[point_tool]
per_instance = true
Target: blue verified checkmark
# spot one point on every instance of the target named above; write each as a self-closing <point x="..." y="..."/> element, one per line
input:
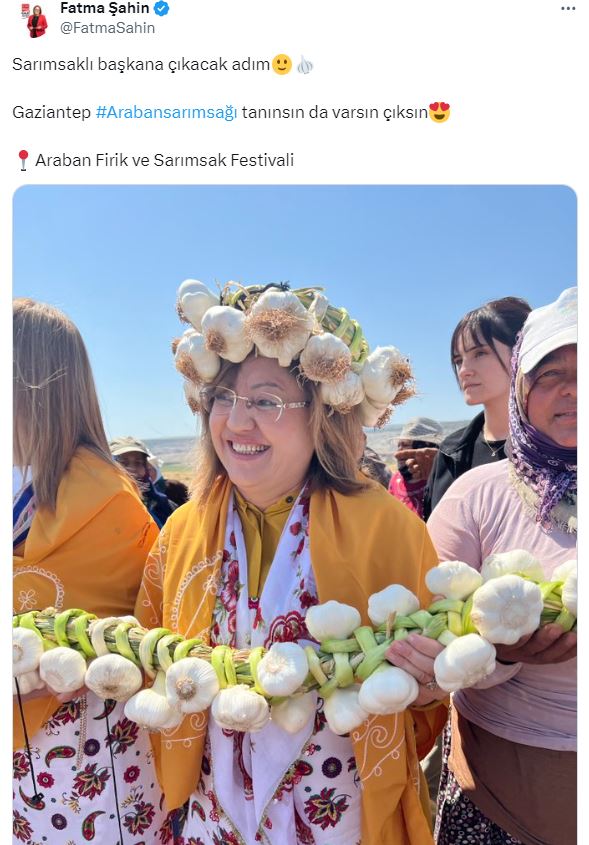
<point x="161" y="8"/>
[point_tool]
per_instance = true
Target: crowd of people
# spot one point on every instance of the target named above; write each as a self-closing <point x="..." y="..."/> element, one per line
<point x="290" y="508"/>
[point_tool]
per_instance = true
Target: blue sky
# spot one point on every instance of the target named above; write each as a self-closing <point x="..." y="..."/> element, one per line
<point x="406" y="262"/>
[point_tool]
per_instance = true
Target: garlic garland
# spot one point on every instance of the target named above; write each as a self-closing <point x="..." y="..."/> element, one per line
<point x="326" y="359"/>
<point x="27" y="648"/>
<point x="388" y="690"/>
<point x="113" y="676"/>
<point x="223" y="329"/>
<point x="293" y="714"/>
<point x="506" y="608"/>
<point x="62" y="669"/>
<point x="279" y="325"/>
<point x="191" y="685"/>
<point x="332" y="620"/>
<point x="453" y="579"/>
<point x="240" y="708"/>
<point x="463" y="663"/>
<point x="393" y="599"/>
<point x="345" y="394"/>
<point x="150" y="707"/>
<point x="343" y="710"/>
<point x="517" y="562"/>
<point x="283" y="669"/>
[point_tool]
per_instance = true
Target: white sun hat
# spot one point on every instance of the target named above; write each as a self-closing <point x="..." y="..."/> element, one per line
<point x="548" y="328"/>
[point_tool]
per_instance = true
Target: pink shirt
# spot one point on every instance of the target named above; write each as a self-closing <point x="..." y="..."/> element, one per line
<point x="480" y="514"/>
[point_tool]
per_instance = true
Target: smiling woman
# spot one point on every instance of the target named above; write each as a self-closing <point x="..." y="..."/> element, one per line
<point x="281" y="519"/>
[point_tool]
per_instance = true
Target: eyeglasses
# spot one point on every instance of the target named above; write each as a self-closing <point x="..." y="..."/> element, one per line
<point x="267" y="406"/>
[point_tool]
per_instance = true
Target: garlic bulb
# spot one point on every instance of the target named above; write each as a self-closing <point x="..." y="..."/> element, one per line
<point x="345" y="394"/>
<point x="373" y="415"/>
<point x="27" y="648"/>
<point x="113" y="676"/>
<point x="194" y="360"/>
<point x="465" y="662"/>
<point x="388" y="690"/>
<point x="453" y="579"/>
<point x="384" y="373"/>
<point x="194" y="300"/>
<point x="325" y="358"/>
<point x="62" y="669"/>
<point x="191" y="685"/>
<point x="27" y="682"/>
<point x="279" y="325"/>
<point x="517" y="561"/>
<point x="332" y="620"/>
<point x="393" y="599"/>
<point x="343" y="710"/>
<point x="569" y="593"/>
<point x="283" y="669"/>
<point x="150" y="707"/>
<point x="239" y="708"/>
<point x="506" y="608"/>
<point x="223" y="329"/>
<point x="192" y="396"/>
<point x="293" y="714"/>
<point x="318" y="308"/>
<point x="562" y="572"/>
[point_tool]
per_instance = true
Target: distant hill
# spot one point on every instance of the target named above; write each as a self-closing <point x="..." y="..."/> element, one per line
<point x="176" y="452"/>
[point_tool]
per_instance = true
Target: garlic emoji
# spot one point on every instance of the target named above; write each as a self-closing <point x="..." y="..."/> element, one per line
<point x="388" y="690"/>
<point x="113" y="676"/>
<point x="151" y="709"/>
<point x="194" y="361"/>
<point x="304" y="66"/>
<point x="223" y="329"/>
<point x="283" y="669"/>
<point x="384" y="373"/>
<point x="326" y="359"/>
<point x="62" y="669"/>
<point x="345" y="394"/>
<point x="332" y="620"/>
<point x="239" y="708"/>
<point x="27" y="682"/>
<point x="343" y="710"/>
<point x="194" y="300"/>
<point x="293" y="714"/>
<point x="279" y="325"/>
<point x="191" y="685"/>
<point x="393" y="599"/>
<point x="27" y="648"/>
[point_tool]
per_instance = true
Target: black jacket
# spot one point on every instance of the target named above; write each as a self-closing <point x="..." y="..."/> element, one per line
<point x="454" y="458"/>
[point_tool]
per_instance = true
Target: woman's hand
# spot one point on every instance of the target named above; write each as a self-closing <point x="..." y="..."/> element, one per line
<point x="549" y="644"/>
<point x="416" y="655"/>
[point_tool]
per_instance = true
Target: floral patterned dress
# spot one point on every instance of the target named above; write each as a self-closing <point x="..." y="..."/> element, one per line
<point x="306" y="790"/>
<point x="74" y="770"/>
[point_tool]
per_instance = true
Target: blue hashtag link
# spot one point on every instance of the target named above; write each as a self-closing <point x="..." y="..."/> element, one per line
<point x="101" y="111"/>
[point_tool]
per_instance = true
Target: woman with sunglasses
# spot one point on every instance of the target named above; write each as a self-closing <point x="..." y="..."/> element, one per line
<point x="281" y="519"/>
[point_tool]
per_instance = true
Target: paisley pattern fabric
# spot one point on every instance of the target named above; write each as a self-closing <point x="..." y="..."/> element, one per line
<point x="74" y="774"/>
<point x="307" y="789"/>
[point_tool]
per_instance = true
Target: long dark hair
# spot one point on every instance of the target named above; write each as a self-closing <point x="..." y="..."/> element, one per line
<point x="499" y="320"/>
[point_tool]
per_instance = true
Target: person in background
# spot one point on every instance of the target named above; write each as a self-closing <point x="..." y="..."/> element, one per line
<point x="37" y="23"/>
<point x="480" y="349"/>
<point x="133" y="455"/>
<point x="372" y="465"/>
<point x="509" y="773"/>
<point x="417" y="448"/>
<point x="81" y="536"/>
<point x="176" y="491"/>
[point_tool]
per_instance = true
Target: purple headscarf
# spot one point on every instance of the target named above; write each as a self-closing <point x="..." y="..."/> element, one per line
<point x="548" y="469"/>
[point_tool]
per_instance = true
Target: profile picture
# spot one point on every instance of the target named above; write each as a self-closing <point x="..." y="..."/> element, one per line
<point x="37" y="22"/>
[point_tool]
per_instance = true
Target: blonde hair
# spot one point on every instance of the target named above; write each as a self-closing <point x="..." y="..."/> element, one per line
<point x="55" y="407"/>
<point x="337" y="438"/>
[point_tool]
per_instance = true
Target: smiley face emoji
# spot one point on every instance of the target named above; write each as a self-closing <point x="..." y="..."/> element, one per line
<point x="439" y="112"/>
<point x="282" y="64"/>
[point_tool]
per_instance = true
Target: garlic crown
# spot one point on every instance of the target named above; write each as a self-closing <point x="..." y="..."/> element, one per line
<point x="113" y="676"/>
<point x="62" y="669"/>
<point x="293" y="714"/>
<point x="465" y="662"/>
<point x="326" y="358"/>
<point x="283" y="669"/>
<point x="384" y="373"/>
<point x="27" y="648"/>
<point x="27" y="682"/>
<point x="191" y="685"/>
<point x="332" y="620"/>
<point x="239" y="708"/>
<point x="453" y="579"/>
<point x="506" y="608"/>
<point x="343" y="710"/>
<point x="393" y="599"/>
<point x="516" y="561"/>
<point x="345" y="394"/>
<point x="223" y="329"/>
<point x="388" y="690"/>
<point x="150" y="707"/>
<point x="279" y="325"/>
